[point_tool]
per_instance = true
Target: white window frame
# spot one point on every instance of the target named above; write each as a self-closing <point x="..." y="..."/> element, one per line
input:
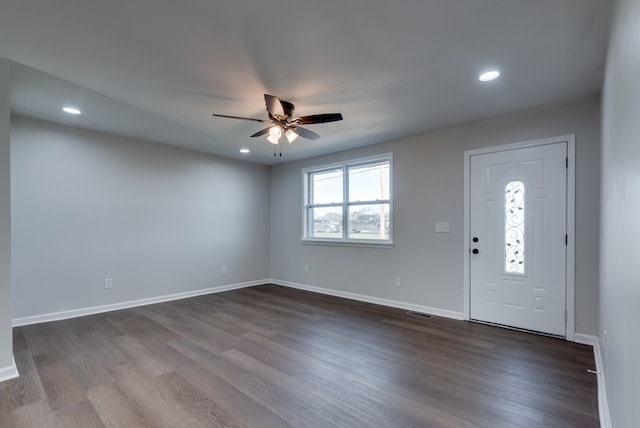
<point x="345" y="204"/>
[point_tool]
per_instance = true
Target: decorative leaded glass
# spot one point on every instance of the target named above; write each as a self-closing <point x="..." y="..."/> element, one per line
<point x="514" y="227"/>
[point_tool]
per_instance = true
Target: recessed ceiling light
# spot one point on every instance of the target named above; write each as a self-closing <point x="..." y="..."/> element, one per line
<point x="245" y="151"/>
<point x="489" y="75"/>
<point x="71" y="110"/>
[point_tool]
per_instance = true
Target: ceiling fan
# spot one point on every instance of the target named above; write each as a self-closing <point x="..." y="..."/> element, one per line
<point x="281" y="121"/>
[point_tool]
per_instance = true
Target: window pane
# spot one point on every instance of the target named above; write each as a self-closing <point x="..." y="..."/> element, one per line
<point x="369" y="182"/>
<point x="326" y="187"/>
<point x="325" y="222"/>
<point x="365" y="221"/>
<point x="514" y="227"/>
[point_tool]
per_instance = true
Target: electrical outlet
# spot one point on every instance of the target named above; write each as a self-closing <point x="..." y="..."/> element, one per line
<point x="223" y="269"/>
<point x="306" y="268"/>
<point x="398" y="281"/>
<point x="108" y="283"/>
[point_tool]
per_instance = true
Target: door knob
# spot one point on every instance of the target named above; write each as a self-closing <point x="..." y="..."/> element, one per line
<point x="475" y="251"/>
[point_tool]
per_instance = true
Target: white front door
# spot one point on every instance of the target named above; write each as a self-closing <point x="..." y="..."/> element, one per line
<point x="518" y="229"/>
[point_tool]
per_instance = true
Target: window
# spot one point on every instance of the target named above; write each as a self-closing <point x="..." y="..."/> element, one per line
<point x="349" y="202"/>
<point x="514" y="227"/>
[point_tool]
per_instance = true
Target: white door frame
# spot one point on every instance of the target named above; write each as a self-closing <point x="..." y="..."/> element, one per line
<point x="570" y="139"/>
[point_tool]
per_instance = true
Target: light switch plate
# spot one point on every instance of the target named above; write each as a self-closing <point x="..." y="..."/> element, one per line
<point x="442" y="227"/>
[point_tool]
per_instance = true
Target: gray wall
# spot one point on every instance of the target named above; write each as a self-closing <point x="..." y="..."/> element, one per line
<point x="428" y="187"/>
<point x="6" y="342"/>
<point x="156" y="219"/>
<point x="620" y="269"/>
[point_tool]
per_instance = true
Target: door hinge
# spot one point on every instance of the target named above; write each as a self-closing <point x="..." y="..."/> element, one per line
<point x="567" y="162"/>
<point x="566" y="239"/>
<point x="566" y="316"/>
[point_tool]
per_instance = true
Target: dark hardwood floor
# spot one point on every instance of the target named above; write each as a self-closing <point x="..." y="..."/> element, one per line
<point x="269" y="356"/>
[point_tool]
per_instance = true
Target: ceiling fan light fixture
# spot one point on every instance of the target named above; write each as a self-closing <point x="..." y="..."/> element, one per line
<point x="275" y="131"/>
<point x="291" y="135"/>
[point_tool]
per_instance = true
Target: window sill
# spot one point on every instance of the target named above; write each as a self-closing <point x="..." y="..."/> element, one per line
<point x="349" y="243"/>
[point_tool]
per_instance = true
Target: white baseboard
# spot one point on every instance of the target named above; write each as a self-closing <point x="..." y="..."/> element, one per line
<point x="603" y="404"/>
<point x="74" y="313"/>
<point x="369" y="299"/>
<point x="9" y="372"/>
<point x="586" y="339"/>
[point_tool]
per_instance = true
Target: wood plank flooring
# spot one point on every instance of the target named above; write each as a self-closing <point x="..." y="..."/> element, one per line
<point x="269" y="356"/>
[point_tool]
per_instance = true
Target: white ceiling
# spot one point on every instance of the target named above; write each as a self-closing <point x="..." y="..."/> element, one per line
<point x="157" y="69"/>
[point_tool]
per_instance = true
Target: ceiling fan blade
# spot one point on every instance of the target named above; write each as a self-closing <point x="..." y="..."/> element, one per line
<point x="242" y="118"/>
<point x="288" y="108"/>
<point x="319" y="118"/>
<point x="262" y="132"/>
<point x="305" y="133"/>
<point x="274" y="107"/>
